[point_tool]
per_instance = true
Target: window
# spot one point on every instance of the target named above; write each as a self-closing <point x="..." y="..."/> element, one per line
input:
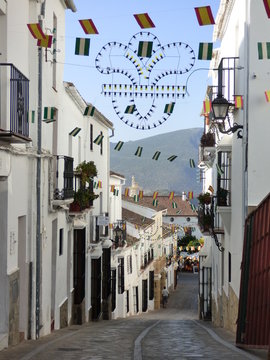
<point x="113" y="285"/>
<point x="135" y="299"/>
<point x="61" y="235"/>
<point x="151" y="285"/>
<point x="229" y="267"/>
<point x="121" y="278"/>
<point x="127" y="301"/>
<point x="91" y="137"/>
<point x="129" y="264"/>
<point x="224" y="178"/>
<point x="101" y="144"/>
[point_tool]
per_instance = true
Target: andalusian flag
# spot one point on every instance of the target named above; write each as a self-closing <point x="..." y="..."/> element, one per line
<point x="171" y="196"/>
<point x="205" y="51"/>
<point x="136" y="198"/>
<point x="144" y="21"/>
<point x="130" y="109"/>
<point x="174" y="205"/>
<point x="36" y="31"/>
<point x="47" y="42"/>
<point x="116" y="192"/>
<point x="99" y="139"/>
<point x="140" y="194"/>
<point x="75" y="131"/>
<point x="264" y="50"/>
<point x="112" y="188"/>
<point x="89" y="111"/>
<point x="155" y="195"/>
<point x="171" y="158"/>
<point x="193" y="207"/>
<point x="267" y="7"/>
<point x="267" y="95"/>
<point x="139" y="151"/>
<point x="156" y="155"/>
<point x="204" y="15"/>
<point x="126" y="191"/>
<point x="191" y="163"/>
<point x="190" y="195"/>
<point x="211" y="189"/>
<point x="207" y="106"/>
<point x="82" y="46"/>
<point x="145" y="49"/>
<point x="219" y="170"/>
<point x="49" y="114"/>
<point x="169" y="108"/>
<point x="238" y="102"/>
<point x="155" y="202"/>
<point x="88" y="26"/>
<point x="119" y="145"/>
<point x="178" y="212"/>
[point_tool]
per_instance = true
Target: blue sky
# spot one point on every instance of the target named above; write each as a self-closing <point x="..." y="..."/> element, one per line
<point x="175" y="21"/>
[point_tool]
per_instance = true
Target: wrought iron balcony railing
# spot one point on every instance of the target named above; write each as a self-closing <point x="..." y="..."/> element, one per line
<point x="14" y="102"/>
<point x="63" y="178"/>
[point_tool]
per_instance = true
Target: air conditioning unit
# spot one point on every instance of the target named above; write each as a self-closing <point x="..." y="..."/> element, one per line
<point x="4" y="164"/>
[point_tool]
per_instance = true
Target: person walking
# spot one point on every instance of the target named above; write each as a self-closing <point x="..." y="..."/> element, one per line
<point x="165" y="295"/>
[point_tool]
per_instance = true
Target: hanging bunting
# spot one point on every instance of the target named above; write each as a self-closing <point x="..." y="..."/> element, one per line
<point x="211" y="189"/>
<point x="172" y="158"/>
<point x="140" y="194"/>
<point x="75" y="131"/>
<point x="174" y="205"/>
<point x="130" y="109"/>
<point x="136" y="198"/>
<point x="138" y="151"/>
<point x="207" y="106"/>
<point x="100" y="184"/>
<point x="205" y="51"/>
<point x="144" y="21"/>
<point x="112" y="188"/>
<point x="82" y="46"/>
<point x="145" y="49"/>
<point x="190" y="195"/>
<point x="116" y="192"/>
<point x="155" y="195"/>
<point x="204" y="15"/>
<point x="155" y="202"/>
<point x="47" y="42"/>
<point x="89" y="111"/>
<point x="193" y="207"/>
<point x="178" y="212"/>
<point x="238" y="102"/>
<point x="191" y="163"/>
<point x="169" y="108"/>
<point x="267" y="7"/>
<point x="36" y="31"/>
<point x="49" y="114"/>
<point x="263" y="50"/>
<point x="156" y="155"/>
<point x="219" y="170"/>
<point x="119" y="145"/>
<point x="126" y="192"/>
<point x="99" y="139"/>
<point x="88" y="26"/>
<point x="267" y="95"/>
<point x="171" y="195"/>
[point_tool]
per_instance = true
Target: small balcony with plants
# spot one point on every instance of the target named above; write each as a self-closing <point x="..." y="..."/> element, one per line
<point x="84" y="196"/>
<point x="14" y="105"/>
<point x="207" y="150"/>
<point x="205" y="220"/>
<point x="63" y="180"/>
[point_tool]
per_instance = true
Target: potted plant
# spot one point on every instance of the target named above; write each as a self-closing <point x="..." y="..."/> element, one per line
<point x="208" y="140"/>
<point x="222" y="197"/>
<point x="204" y="198"/>
<point x="86" y="170"/>
<point x="207" y="221"/>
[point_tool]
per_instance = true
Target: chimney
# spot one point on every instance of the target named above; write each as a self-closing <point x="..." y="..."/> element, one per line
<point x="184" y="196"/>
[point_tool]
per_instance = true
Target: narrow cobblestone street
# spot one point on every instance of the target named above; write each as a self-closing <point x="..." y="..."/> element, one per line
<point x="170" y="333"/>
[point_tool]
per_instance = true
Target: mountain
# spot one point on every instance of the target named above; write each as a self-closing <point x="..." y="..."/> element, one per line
<point x="161" y="175"/>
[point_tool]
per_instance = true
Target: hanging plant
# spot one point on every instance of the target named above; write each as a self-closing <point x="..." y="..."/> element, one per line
<point x="87" y="171"/>
<point x="208" y="140"/>
<point x="204" y="199"/>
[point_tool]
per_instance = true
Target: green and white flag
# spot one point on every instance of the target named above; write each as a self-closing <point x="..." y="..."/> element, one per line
<point x="99" y="139"/>
<point x="138" y="151"/>
<point x="174" y="205"/>
<point x="89" y="111"/>
<point x="136" y="198"/>
<point x="119" y="145"/>
<point x="95" y="186"/>
<point x="192" y="163"/>
<point x="145" y="49"/>
<point x="130" y="109"/>
<point x="75" y="131"/>
<point x="193" y="207"/>
<point x="205" y="51"/>
<point x="264" y="50"/>
<point x="155" y="202"/>
<point x="156" y="155"/>
<point x="49" y="113"/>
<point x="169" y="108"/>
<point x="116" y="192"/>
<point x="31" y="116"/>
<point x="219" y="170"/>
<point x="178" y="212"/>
<point x="171" y="158"/>
<point x="82" y="46"/>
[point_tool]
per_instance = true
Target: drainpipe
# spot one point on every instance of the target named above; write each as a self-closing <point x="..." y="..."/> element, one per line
<point x="38" y="177"/>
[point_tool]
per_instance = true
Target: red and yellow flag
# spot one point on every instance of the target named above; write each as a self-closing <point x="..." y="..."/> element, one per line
<point x="36" y="31"/>
<point x="211" y="189"/>
<point x="155" y="195"/>
<point x="171" y="196"/>
<point x="100" y="184"/>
<point x="112" y="188"/>
<point x="127" y="192"/>
<point x="267" y="7"/>
<point x="47" y="43"/>
<point x="190" y="195"/>
<point x="140" y="194"/>
<point x="144" y="21"/>
<point x="267" y="95"/>
<point x="207" y="106"/>
<point x="88" y="26"/>
<point x="204" y="15"/>
<point x="238" y="102"/>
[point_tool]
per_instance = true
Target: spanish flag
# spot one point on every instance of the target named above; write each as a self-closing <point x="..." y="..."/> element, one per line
<point x="127" y="192"/>
<point x="47" y="43"/>
<point x="36" y="31"/>
<point x="267" y="95"/>
<point x="140" y="194"/>
<point x="155" y="195"/>
<point x="88" y="26"/>
<point x="171" y="196"/>
<point x="144" y="20"/>
<point x="267" y="7"/>
<point x="204" y="15"/>
<point x="207" y="106"/>
<point x="112" y="188"/>
<point x="238" y="102"/>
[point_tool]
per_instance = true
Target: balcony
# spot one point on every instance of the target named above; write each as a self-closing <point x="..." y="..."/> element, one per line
<point x="14" y="105"/>
<point x="147" y="258"/>
<point x="119" y="234"/>
<point x="63" y="182"/>
<point x="205" y="218"/>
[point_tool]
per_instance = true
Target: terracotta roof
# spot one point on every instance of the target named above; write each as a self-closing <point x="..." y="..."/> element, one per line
<point x="117" y="174"/>
<point x="183" y="207"/>
<point x="136" y="219"/>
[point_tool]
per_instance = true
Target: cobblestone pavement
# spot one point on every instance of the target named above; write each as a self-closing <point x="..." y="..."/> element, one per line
<point x="171" y="333"/>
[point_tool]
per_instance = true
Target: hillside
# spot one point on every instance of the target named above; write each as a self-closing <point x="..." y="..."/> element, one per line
<point x="161" y="175"/>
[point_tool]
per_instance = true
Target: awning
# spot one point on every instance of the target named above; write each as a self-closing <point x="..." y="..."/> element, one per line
<point x="225" y="143"/>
